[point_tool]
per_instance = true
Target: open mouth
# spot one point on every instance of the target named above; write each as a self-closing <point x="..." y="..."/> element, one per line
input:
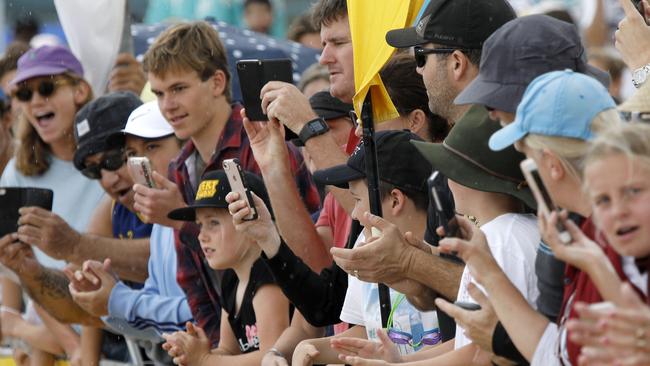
<point x="44" y="118"/>
<point x="208" y="251"/>
<point x="122" y="193"/>
<point x="177" y="119"/>
<point x="626" y="230"/>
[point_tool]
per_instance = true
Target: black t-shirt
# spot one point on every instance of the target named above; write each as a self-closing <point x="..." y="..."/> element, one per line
<point x="244" y="323"/>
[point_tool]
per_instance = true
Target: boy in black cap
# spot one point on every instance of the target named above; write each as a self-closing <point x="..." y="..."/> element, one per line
<point x="254" y="306"/>
<point x="403" y="191"/>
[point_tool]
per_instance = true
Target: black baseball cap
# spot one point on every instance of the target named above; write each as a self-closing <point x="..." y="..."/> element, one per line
<point x="398" y="164"/>
<point x="328" y="107"/>
<point x="212" y="193"/>
<point x="454" y="23"/>
<point x="99" y="119"/>
<point x="520" y="51"/>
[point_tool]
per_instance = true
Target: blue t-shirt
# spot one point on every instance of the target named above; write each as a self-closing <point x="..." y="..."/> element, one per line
<point x="127" y="224"/>
<point x="75" y="196"/>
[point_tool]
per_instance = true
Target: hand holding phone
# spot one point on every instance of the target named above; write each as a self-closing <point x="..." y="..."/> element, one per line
<point x="140" y="171"/>
<point x="544" y="202"/>
<point x="237" y="182"/>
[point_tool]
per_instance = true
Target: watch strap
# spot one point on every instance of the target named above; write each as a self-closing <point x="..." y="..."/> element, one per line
<point x="315" y="127"/>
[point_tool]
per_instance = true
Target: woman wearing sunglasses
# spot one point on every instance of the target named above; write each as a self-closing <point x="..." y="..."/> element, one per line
<point x="50" y="89"/>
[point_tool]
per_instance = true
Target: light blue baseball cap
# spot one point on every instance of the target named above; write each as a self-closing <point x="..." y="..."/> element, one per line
<point x="558" y="103"/>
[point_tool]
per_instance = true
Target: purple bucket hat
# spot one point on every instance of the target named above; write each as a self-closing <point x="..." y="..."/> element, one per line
<point x="47" y="60"/>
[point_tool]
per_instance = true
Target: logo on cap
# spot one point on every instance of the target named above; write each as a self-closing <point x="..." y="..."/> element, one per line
<point x="422" y="24"/>
<point x="83" y="128"/>
<point x="207" y="189"/>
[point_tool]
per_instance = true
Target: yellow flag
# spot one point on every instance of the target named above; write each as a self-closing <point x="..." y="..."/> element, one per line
<point x="370" y="20"/>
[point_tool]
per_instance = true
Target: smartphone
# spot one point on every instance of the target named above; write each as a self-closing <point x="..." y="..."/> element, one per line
<point x="543" y="198"/>
<point x="470" y="306"/>
<point x="449" y="224"/>
<point x="237" y="182"/>
<point x="253" y="75"/>
<point x="140" y="170"/>
<point x="13" y="198"/>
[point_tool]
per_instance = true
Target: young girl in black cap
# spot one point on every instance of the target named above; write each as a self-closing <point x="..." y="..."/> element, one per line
<point x="254" y="311"/>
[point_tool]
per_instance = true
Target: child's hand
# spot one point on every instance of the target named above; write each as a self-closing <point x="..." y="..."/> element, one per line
<point x="304" y="354"/>
<point x="187" y="348"/>
<point x="262" y="230"/>
<point x="385" y="350"/>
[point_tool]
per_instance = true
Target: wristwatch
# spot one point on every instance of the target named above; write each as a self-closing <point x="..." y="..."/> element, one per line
<point x="640" y="75"/>
<point x="315" y="127"/>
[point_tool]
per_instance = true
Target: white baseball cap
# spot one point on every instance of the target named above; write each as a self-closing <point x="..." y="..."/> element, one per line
<point x="146" y="122"/>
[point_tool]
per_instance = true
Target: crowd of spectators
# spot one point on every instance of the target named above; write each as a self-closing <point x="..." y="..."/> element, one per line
<point x="512" y="226"/>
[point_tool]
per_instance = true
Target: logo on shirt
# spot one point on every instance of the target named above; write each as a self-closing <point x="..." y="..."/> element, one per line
<point x="253" y="340"/>
<point x="207" y="189"/>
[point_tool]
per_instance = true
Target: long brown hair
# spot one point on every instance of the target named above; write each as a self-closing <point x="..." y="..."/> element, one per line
<point x="33" y="155"/>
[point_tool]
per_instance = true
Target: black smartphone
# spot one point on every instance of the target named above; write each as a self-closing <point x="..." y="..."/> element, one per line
<point x="253" y="75"/>
<point x="449" y="224"/>
<point x="470" y="306"/>
<point x="238" y="184"/>
<point x="544" y="202"/>
<point x="448" y="221"/>
<point x="13" y="198"/>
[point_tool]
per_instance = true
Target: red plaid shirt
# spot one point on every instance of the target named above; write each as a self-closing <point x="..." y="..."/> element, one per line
<point x="193" y="274"/>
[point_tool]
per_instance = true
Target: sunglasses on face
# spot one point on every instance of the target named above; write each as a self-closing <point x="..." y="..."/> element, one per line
<point x="421" y="53"/>
<point x="635" y="116"/>
<point x="111" y="161"/>
<point x="45" y="88"/>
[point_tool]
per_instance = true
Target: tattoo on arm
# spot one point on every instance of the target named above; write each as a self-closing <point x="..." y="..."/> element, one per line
<point x="53" y="284"/>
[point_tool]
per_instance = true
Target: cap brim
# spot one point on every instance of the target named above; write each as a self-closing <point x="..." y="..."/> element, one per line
<point x="404" y="38"/>
<point x="43" y="70"/>
<point x="598" y="74"/>
<point x="461" y="171"/>
<point x="503" y="97"/>
<point x="98" y="144"/>
<point x="506" y="136"/>
<point x="189" y="213"/>
<point x="338" y="176"/>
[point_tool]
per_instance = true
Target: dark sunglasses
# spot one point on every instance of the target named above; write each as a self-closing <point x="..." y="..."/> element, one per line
<point x="112" y="160"/>
<point x="421" y="53"/>
<point x="45" y="88"/>
<point x="635" y="116"/>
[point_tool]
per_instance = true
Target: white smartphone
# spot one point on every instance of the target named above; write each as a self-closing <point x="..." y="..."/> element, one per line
<point x="140" y="170"/>
<point x="237" y="182"/>
<point x="543" y="198"/>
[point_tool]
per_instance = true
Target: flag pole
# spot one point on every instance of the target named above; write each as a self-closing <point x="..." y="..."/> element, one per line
<point x="372" y="174"/>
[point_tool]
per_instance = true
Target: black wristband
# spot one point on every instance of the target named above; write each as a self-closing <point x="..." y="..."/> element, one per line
<point x="315" y="127"/>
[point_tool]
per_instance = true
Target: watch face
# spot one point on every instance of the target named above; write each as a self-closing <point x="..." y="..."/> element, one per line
<point x="640" y="75"/>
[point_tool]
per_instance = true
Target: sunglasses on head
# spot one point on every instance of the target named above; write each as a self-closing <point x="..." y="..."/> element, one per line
<point x="45" y="88"/>
<point x="429" y="337"/>
<point x="111" y="160"/>
<point x="635" y="116"/>
<point x="421" y="53"/>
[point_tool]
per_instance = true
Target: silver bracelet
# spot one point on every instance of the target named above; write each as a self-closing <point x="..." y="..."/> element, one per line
<point x="276" y="352"/>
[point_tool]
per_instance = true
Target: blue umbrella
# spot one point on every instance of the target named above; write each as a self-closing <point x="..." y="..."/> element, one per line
<point x="240" y="44"/>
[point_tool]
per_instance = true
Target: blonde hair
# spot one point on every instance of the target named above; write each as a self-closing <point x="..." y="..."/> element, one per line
<point x="572" y="151"/>
<point x="32" y="153"/>
<point x="633" y="140"/>
<point x="192" y="46"/>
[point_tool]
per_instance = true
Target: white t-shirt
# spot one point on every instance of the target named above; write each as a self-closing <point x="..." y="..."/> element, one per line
<point x="513" y="240"/>
<point x="361" y="307"/>
<point x="75" y="196"/>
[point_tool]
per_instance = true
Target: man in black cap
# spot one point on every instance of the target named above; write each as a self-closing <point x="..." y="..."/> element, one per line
<point x="452" y="33"/>
<point x="116" y="232"/>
